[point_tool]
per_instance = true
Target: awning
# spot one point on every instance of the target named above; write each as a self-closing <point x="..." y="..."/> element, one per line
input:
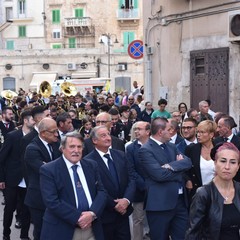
<point x="38" y="78"/>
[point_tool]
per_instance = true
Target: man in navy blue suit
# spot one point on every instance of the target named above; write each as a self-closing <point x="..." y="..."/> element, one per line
<point x="163" y="169"/>
<point x="142" y="133"/>
<point x="66" y="217"/>
<point x="43" y="148"/>
<point x="118" y="180"/>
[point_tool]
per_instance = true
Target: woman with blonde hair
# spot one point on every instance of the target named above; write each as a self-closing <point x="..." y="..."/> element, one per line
<point x="203" y="170"/>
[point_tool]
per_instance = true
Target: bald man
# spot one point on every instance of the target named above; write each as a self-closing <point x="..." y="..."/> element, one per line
<point x="43" y="148"/>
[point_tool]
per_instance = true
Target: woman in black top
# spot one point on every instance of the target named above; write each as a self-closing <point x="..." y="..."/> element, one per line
<point x="215" y="210"/>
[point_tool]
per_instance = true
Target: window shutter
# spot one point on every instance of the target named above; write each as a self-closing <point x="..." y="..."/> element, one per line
<point x="78" y="12"/>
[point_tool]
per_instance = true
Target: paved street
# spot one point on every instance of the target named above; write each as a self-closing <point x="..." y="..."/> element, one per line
<point x="15" y="235"/>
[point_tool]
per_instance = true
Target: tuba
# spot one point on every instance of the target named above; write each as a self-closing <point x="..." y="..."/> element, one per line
<point x="8" y="95"/>
<point x="45" y="89"/>
<point x="68" y="89"/>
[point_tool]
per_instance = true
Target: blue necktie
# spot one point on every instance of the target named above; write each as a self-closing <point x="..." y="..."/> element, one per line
<point x="112" y="170"/>
<point x="82" y="199"/>
<point x="51" y="150"/>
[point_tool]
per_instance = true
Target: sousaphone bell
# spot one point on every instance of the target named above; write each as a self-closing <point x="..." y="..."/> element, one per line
<point x="45" y="89"/>
<point x="8" y="94"/>
<point x="68" y="89"/>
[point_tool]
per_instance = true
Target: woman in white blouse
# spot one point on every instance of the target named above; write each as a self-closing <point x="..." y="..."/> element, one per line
<point x="203" y="170"/>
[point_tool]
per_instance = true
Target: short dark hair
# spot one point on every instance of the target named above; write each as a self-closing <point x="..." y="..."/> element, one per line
<point x="158" y="123"/>
<point x="123" y="108"/>
<point x="162" y="101"/>
<point x="193" y="120"/>
<point x="25" y="115"/>
<point x="4" y="110"/>
<point x="62" y="118"/>
<point x="113" y="111"/>
<point x="37" y="110"/>
<point x="229" y="122"/>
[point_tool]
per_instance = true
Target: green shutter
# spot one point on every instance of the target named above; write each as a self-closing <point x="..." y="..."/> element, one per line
<point x="22" y="31"/>
<point x="121" y="2"/>
<point x="56" y="16"/>
<point x="78" y="12"/>
<point x="128" y="37"/>
<point x="55" y="46"/>
<point x="135" y="5"/>
<point x="72" y="42"/>
<point x="10" y="45"/>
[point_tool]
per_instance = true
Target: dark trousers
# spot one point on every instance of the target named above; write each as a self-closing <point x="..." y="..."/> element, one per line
<point x="37" y="219"/>
<point x="117" y="230"/>
<point x="15" y="196"/>
<point x="172" y="223"/>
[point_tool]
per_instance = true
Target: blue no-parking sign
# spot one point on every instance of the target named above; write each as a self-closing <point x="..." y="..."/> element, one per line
<point x="135" y="49"/>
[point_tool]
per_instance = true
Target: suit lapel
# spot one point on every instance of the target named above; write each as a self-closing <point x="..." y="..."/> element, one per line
<point x="44" y="150"/>
<point x="159" y="153"/>
<point x="116" y="163"/>
<point x="63" y="171"/>
<point x="103" y="166"/>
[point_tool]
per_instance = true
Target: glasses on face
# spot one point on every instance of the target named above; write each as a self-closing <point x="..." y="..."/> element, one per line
<point x="101" y="122"/>
<point x="53" y="131"/>
<point x="187" y="128"/>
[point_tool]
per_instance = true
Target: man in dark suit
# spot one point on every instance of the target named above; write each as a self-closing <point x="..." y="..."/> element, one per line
<point x="6" y="125"/>
<point x="65" y="217"/>
<point x="42" y="149"/>
<point x="188" y="131"/>
<point x="119" y="181"/>
<point x="12" y="178"/>
<point x="174" y="133"/>
<point x="163" y="169"/>
<point x="105" y="120"/>
<point x="142" y="132"/>
<point x="224" y="129"/>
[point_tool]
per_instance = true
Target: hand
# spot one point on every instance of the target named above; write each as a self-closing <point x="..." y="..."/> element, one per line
<point x="121" y="205"/>
<point x="189" y="185"/>
<point x="2" y="185"/>
<point x="85" y="220"/>
<point x="167" y="166"/>
<point x="179" y="157"/>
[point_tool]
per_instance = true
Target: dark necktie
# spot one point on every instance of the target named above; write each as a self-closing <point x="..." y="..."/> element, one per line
<point x="112" y="169"/>
<point x="225" y="139"/>
<point x="82" y="199"/>
<point x="163" y="146"/>
<point x="51" y="150"/>
<point x="7" y="125"/>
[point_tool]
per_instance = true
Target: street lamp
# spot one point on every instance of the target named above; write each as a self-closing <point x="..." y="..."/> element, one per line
<point x="108" y="36"/>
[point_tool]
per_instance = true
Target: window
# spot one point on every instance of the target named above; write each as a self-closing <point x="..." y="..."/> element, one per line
<point x="56" y="16"/>
<point x="56" y="33"/>
<point x="9" y="83"/>
<point x="21" y="5"/>
<point x="58" y="45"/>
<point x="9" y="13"/>
<point x="10" y="45"/>
<point x="128" y="4"/>
<point x="78" y="12"/>
<point x="22" y="31"/>
<point x="72" y="42"/>
<point x="128" y="37"/>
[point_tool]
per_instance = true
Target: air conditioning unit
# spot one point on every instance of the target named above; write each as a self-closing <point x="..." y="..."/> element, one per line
<point x="234" y="26"/>
<point x="121" y="67"/>
<point x="71" y="66"/>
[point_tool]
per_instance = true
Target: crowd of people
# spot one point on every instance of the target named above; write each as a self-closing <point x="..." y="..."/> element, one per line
<point x="109" y="166"/>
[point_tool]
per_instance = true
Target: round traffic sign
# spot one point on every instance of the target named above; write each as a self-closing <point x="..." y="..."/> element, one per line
<point x="135" y="49"/>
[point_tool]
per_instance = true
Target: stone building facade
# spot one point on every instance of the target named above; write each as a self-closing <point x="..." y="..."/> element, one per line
<point x="49" y="39"/>
<point x="192" y="52"/>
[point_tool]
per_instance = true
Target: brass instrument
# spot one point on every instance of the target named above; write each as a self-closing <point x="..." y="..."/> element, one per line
<point x="8" y="95"/>
<point x="68" y="89"/>
<point x="45" y="89"/>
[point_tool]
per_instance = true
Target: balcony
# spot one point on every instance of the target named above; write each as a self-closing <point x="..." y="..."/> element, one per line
<point x="79" y="27"/>
<point x="128" y="14"/>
